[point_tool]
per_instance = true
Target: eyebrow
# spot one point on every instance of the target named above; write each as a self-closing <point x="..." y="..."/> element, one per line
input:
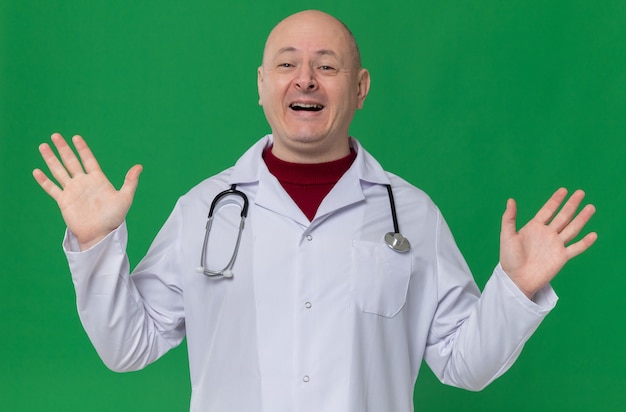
<point x="321" y="52"/>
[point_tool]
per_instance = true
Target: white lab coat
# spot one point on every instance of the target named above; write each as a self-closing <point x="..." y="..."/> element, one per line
<point x="319" y="316"/>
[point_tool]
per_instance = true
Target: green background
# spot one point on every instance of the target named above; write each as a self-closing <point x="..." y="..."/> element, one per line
<point x="474" y="102"/>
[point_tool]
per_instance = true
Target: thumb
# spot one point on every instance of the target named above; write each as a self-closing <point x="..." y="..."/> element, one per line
<point x="131" y="181"/>
<point x="509" y="216"/>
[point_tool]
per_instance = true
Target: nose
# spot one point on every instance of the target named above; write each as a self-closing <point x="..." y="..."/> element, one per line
<point x="305" y="79"/>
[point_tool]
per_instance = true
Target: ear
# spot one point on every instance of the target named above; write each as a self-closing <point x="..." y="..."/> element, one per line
<point x="363" y="87"/>
<point x="259" y="84"/>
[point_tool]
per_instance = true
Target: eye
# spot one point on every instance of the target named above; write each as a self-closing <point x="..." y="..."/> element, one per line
<point x="326" y="68"/>
<point x="285" y="65"/>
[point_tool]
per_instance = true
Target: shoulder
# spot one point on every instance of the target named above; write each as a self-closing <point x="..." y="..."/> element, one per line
<point x="209" y="187"/>
<point x="406" y="193"/>
<point x="244" y="172"/>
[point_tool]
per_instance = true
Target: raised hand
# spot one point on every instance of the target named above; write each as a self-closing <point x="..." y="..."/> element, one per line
<point x="91" y="207"/>
<point x="533" y="256"/>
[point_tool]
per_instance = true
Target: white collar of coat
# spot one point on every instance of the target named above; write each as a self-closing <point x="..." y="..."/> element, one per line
<point x="249" y="166"/>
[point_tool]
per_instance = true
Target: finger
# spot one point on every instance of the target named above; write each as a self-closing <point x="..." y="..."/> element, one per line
<point x="70" y="161"/>
<point x="567" y="212"/>
<point x="57" y="170"/>
<point x="583" y="244"/>
<point x="509" y="216"/>
<point x="86" y="156"/>
<point x="544" y="215"/>
<point x="46" y="184"/>
<point x="577" y="224"/>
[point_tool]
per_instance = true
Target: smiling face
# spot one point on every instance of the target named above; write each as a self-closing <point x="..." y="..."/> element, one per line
<point x="310" y="85"/>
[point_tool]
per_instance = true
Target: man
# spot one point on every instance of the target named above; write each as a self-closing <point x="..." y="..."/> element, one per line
<point x="310" y="310"/>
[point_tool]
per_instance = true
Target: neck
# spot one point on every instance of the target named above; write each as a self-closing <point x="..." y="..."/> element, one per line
<point x="308" y="154"/>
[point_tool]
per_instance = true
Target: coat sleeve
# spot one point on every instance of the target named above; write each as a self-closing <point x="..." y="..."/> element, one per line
<point x="475" y="338"/>
<point x="129" y="325"/>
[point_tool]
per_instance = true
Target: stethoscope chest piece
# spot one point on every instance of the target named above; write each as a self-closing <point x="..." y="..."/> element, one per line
<point x="397" y="242"/>
<point x="394" y="239"/>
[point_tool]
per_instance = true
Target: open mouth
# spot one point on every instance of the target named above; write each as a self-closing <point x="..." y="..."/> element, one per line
<point x="308" y="107"/>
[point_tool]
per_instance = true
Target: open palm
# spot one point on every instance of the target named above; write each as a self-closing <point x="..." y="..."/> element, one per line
<point x="533" y="256"/>
<point x="90" y="205"/>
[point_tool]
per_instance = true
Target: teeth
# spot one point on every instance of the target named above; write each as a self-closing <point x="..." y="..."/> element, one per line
<point x="306" y="106"/>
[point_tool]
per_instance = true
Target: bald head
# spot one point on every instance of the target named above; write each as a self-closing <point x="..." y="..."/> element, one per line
<point x="315" y="20"/>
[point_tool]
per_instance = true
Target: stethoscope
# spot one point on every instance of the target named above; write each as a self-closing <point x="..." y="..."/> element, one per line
<point x="394" y="239"/>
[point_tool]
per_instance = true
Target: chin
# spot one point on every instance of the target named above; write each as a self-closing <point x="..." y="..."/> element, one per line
<point x="306" y="136"/>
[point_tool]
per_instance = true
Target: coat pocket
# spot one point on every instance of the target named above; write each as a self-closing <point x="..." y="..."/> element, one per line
<point x="380" y="278"/>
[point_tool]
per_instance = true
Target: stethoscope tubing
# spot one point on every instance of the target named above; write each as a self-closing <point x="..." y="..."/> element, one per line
<point x="394" y="239"/>
<point x="227" y="270"/>
<point x="392" y="205"/>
